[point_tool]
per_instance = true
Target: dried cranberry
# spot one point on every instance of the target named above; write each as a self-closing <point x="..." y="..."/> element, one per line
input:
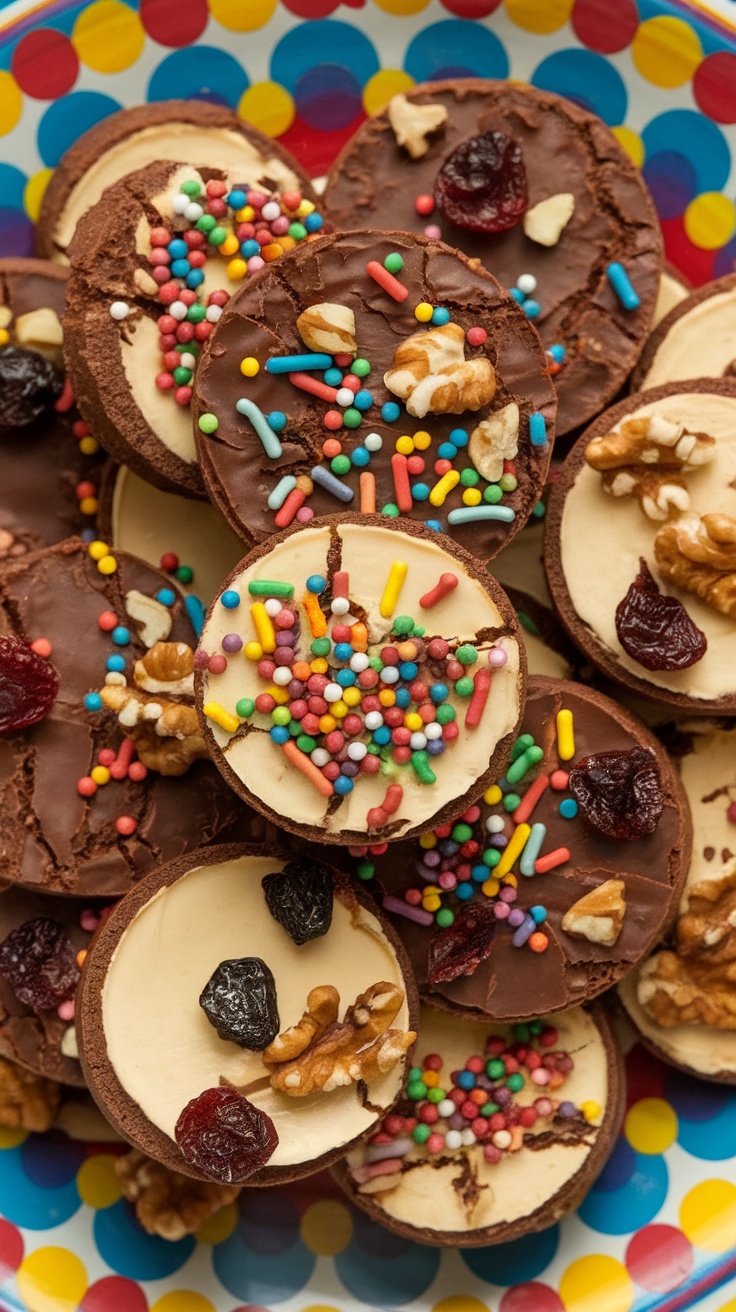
<point x="655" y="629"/>
<point x="460" y="949"/>
<point x="29" y="385"/>
<point x="619" y="793"/>
<point x="29" y="685"/>
<point x="39" y="962"/>
<point x="225" y="1136"/>
<point x="300" y="898"/>
<point x="240" y="1001"/>
<point x="482" y="184"/>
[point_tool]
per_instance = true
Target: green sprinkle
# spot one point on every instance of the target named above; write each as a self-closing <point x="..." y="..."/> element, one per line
<point x="522" y="742"/>
<point x="341" y="464"/>
<point x="365" y="870"/>
<point x="375" y="663"/>
<point x="394" y="262"/>
<point x="436" y="1094"/>
<point x="217" y="236"/>
<point x="461" y="832"/>
<point x="421" y="1133"/>
<point x="306" y="743"/>
<point x="281" y="715"/>
<point x="270" y="588"/>
<point x="423" y="770"/>
<point x="445" y="713"/>
<point x="184" y="573"/>
<point x="535" y="1027"/>
<point x="403" y="624"/>
<point x="245" y="707"/>
<point x="419" y="630"/>
<point x="511" y="801"/>
<point x="360" y="367"/>
<point x="492" y="494"/>
<point x="540" y="510"/>
<point x="522" y="1033"/>
<point x="491" y="857"/>
<point x="490" y="1108"/>
<point x="390" y="509"/>
<point x="208" y="423"/>
<point x="469" y="477"/>
<point x="297" y="231"/>
<point x="416" y="1090"/>
<point x="445" y="918"/>
<point x="515" y="1082"/>
<point x="182" y="375"/>
<point x="495" y="1068"/>
<point x="190" y="188"/>
<point x="295" y="729"/>
<point x="508" y="482"/>
<point x="466" y="654"/>
<point x="527" y="622"/>
<point x="351" y="417"/>
<point x="320" y="647"/>
<point x="518" y="768"/>
<point x="206" y="223"/>
<point x="196" y="313"/>
<point x="464" y="687"/>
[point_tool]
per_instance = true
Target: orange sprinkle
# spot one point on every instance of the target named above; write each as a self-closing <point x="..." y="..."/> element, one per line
<point x="367" y="493"/>
<point x="42" y="647"/>
<point x="81" y="955"/>
<point x="315" y="615"/>
<point x="331" y="447"/>
<point x="307" y="767"/>
<point x="271" y="252"/>
<point x="301" y="670"/>
<point x="359" y="636"/>
<point x="538" y="942"/>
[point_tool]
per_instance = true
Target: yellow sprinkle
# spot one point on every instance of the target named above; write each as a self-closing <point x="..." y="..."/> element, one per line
<point x="89" y="505"/>
<point x="428" y="841"/>
<point x="405" y="445"/>
<point x="246" y="214"/>
<point x="236" y="270"/>
<point x="491" y="887"/>
<point x="513" y="849"/>
<point x="98" y="549"/>
<point x="100" y="774"/>
<point x="432" y="903"/>
<point x="339" y="709"/>
<point x="107" y="565"/>
<point x="493" y="795"/>
<point x="253" y="651"/>
<point x="230" y="246"/>
<point x="511" y="880"/>
<point x="327" y="723"/>
<point x="305" y="207"/>
<point x="352" y="696"/>
<point x="422" y="440"/>
<point x="249" y="366"/>
<point x="413" y="721"/>
<point x="387" y="697"/>
<point x="89" y="446"/>
<point x="287" y="243"/>
<point x="472" y="497"/>
<point x="429" y="889"/>
<point x="591" y="1110"/>
<point x="214" y="711"/>
<point x="263" y="626"/>
<point x="565" y="736"/>
<point x="423" y="312"/>
<point x="319" y="665"/>
<point x="280" y="695"/>
<point x="444" y="487"/>
<point x="315" y="615"/>
<point x="392" y="590"/>
<point x="4" y="336"/>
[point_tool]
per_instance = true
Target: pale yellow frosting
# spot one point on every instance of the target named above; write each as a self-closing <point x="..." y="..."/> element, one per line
<point x="700" y="344"/>
<point x="671" y="293"/>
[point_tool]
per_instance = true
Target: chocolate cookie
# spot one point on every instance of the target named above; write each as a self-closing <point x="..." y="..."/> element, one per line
<point x="650" y="487"/>
<point x="593" y="813"/>
<point x="547" y="646"/>
<point x="696" y="339"/>
<point x="314" y="1033"/>
<point x="539" y="190"/>
<point x="332" y="383"/>
<point x="382" y="684"/>
<point x="153" y="263"/>
<point x="465" y="1171"/>
<point x="168" y="130"/>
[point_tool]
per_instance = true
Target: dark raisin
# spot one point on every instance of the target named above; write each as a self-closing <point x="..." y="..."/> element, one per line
<point x="460" y="949"/>
<point x="39" y="962"/>
<point x="29" y="385"/>
<point x="619" y="793"/>
<point x="655" y="629"/>
<point x="482" y="185"/>
<point x="29" y="685"/>
<point x="300" y="898"/>
<point x="240" y="1001"/>
<point x="225" y="1136"/>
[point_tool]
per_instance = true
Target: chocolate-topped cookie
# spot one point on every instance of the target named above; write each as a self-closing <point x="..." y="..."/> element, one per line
<point x="559" y="880"/>
<point x="537" y="188"/>
<point x="695" y="339"/>
<point x="547" y="646"/>
<point x="375" y="371"/>
<point x="650" y="487"/>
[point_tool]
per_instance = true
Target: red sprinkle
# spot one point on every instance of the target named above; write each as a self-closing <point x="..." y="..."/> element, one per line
<point x="447" y="582"/>
<point x="551" y="860"/>
<point x="386" y="280"/>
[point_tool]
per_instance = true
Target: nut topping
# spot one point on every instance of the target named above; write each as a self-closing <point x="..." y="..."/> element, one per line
<point x="328" y="327"/>
<point x="494" y="440"/>
<point x="648" y="458"/>
<point x="323" y="1004"/>
<point x="412" y="123"/>
<point x="165" y="732"/>
<point x="696" y="985"/>
<point x="598" y="915"/>
<point x="152" y="618"/>
<point x="699" y="555"/>
<point x="167" y="1203"/>
<point x="431" y="375"/>
<point x="545" y="222"/>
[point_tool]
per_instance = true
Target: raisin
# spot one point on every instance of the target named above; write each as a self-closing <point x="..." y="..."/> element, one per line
<point x="29" y="385"/>
<point x="240" y="1001"/>
<point x="482" y="185"/>
<point x="655" y="629"/>
<point x="300" y="898"/>
<point x="225" y="1136"/>
<point x="29" y="685"/>
<point x="460" y="949"/>
<point x="39" y="962"/>
<point x="619" y="793"/>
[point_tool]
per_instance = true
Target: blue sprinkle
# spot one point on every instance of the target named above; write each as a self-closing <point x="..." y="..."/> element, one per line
<point x="331" y="484"/>
<point x="433" y="523"/>
<point x="448" y="847"/>
<point x="621" y="284"/>
<point x="569" y="808"/>
<point x="532" y="309"/>
<point x="435" y="747"/>
<point x="179" y="268"/>
<point x="360" y="457"/>
<point x="408" y="670"/>
<point x="538" y="914"/>
<point x="558" y="353"/>
<point x="465" y="890"/>
<point x="403" y="698"/>
<point x="459" y="436"/>
<point x="289" y="364"/>
<point x="177" y="249"/>
<point x="390" y="412"/>
<point x="277" y="420"/>
<point x="343" y="785"/>
<point x="279" y="734"/>
<point x="195" y="278"/>
<point x="166" y="596"/>
<point x="343" y="651"/>
<point x="88" y="535"/>
<point x="480" y="874"/>
<point x="237" y="200"/>
<point x="120" y="635"/>
<point x="93" y="702"/>
<point x="363" y="400"/>
<point x="537" y="429"/>
<point x="468" y="514"/>
<point x="420" y="491"/>
<point x="115" y="664"/>
<point x="345" y="678"/>
<point x="333" y="377"/>
<point x="440" y="316"/>
<point x="249" y="247"/>
<point x="316" y="583"/>
<point x="195" y="611"/>
<point x="382" y="735"/>
<point x="466" y="1080"/>
<point x="438" y="693"/>
<point x="269" y="441"/>
<point x="517" y="295"/>
<point x="230" y="599"/>
<point x="313" y="222"/>
<point x="447" y="451"/>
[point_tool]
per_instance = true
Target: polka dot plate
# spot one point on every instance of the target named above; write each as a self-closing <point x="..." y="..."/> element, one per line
<point x="657" y="1233"/>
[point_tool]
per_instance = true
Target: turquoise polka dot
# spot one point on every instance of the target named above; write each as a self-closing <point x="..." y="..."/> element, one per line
<point x="269" y="1222"/>
<point x="201" y="72"/>
<point x="384" y="1269"/>
<point x="713" y="1140"/>
<point x="455" y="48"/>
<point x="255" y="1277"/>
<point x="520" y="1259"/>
<point x="66" y="120"/>
<point x="634" y="1204"/>
<point x="124" y="1245"/>
<point x="587" y="79"/>
<point x="12" y="186"/>
<point x="306" y="46"/>
<point x="28" y="1203"/>
<point x="696" y="137"/>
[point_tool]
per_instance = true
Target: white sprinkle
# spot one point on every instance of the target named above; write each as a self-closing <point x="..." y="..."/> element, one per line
<point x="340" y="606"/>
<point x="187" y="360"/>
<point x="373" y="720"/>
<point x="193" y="211"/>
<point x="467" y="1138"/>
<point x="373" y="442"/>
<point x="356" y="751"/>
<point x="332" y="693"/>
<point x="433" y="730"/>
<point x="527" y="283"/>
<point x="213" y="313"/>
<point x="179" y="202"/>
<point x="178" y="310"/>
<point x="273" y="606"/>
<point x="494" y="824"/>
<point x="359" y="662"/>
<point x="282" y="675"/>
<point x="119" y="310"/>
<point x="390" y="674"/>
<point x="453" y="1139"/>
<point x="418" y="742"/>
<point x="320" y="756"/>
<point x="271" y="210"/>
<point x="345" y="396"/>
<point x="446" y="1107"/>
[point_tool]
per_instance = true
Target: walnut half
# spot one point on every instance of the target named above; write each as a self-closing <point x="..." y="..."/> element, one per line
<point x="27" y="1101"/>
<point x="431" y="375"/>
<point x="166" y="1203"/>
<point x="699" y="555"/>
<point x="648" y="458"/>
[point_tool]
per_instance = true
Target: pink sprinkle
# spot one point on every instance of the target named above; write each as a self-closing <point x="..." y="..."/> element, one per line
<point x="65" y="1010"/>
<point x="731" y="813"/>
<point x="399" y="908"/>
<point x="476" y="336"/>
<point x="88" y="921"/>
<point x="305" y="514"/>
<point x="217" y="664"/>
<point x="433" y="231"/>
<point x="106" y="756"/>
<point x="366" y="1172"/>
<point x="255" y="263"/>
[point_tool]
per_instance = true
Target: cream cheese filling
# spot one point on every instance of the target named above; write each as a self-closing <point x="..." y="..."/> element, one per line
<point x="700" y="344"/>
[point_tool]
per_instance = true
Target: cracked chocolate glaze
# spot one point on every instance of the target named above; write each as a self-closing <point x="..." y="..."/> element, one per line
<point x="51" y="838"/>
<point x="375" y="182"/>
<point x="260" y="321"/>
<point x="517" y="983"/>
<point x="41" y="464"/>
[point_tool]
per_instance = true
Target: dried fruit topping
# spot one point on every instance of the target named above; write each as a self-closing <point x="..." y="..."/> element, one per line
<point x="300" y="898"/>
<point x="460" y="949"/>
<point x="225" y="1136"/>
<point x="29" y="685"/>
<point x="29" y="385"/>
<point x="655" y="629"/>
<point x="240" y="1001"/>
<point x="619" y="793"/>
<point x="482" y="185"/>
<point x="39" y="962"/>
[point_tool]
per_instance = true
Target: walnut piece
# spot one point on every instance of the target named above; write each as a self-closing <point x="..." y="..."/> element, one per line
<point x="322" y="1010"/>
<point x="152" y="618"/>
<point x="166" y="1203"/>
<point x="648" y="458"/>
<point x="544" y="222"/>
<point x="165" y="731"/>
<point x="494" y="440"/>
<point x="360" y="1047"/>
<point x="597" y="915"/>
<point x="431" y="375"/>
<point x="412" y="123"/>
<point x="699" y="555"/>
<point x="167" y="667"/>
<point x="328" y="327"/>
<point x="696" y="985"/>
<point x="27" y="1101"/>
<point x="40" y="330"/>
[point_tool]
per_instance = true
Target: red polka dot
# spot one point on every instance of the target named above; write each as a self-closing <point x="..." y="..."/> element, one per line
<point x="603" y="26"/>
<point x="311" y="8"/>
<point x="172" y="23"/>
<point x="471" y="8"/>
<point x="714" y="86"/>
<point x="11" y="1249"/>
<point x="45" y="64"/>
<point x="531" y="1297"/>
<point x="316" y="150"/>
<point x="659" y="1258"/>
<point x="114" y="1294"/>
<point x="644" y="1075"/>
<point x="695" y="263"/>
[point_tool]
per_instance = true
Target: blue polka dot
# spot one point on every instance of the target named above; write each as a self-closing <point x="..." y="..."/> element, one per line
<point x="713" y="1140"/>
<point x="587" y="79"/>
<point x="328" y="97"/>
<point x="516" y="1261"/>
<point x="455" y="48"/>
<point x="307" y="45"/>
<point x="269" y="1222"/>
<point x="199" y="72"/>
<point x="12" y="186"/>
<point x="725" y="261"/>
<point x="128" y="1250"/>
<point x="51" y="1164"/>
<point x="672" y="180"/>
<point x="635" y="1204"/>
<point x="694" y="1100"/>
<point x="16" y="233"/>
<point x="26" y="1203"/>
<point x="385" y="1269"/>
<point x="619" y="1168"/>
<point x="695" y="136"/>
<point x="253" y="1277"/>
<point x="66" y="120"/>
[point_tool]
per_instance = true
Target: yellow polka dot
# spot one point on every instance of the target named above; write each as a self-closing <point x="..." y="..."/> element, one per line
<point x="182" y="1300"/>
<point x="108" y="36"/>
<point x="51" y="1280"/>
<point x="220" y="1226"/>
<point x="11" y="102"/>
<point x="269" y="107"/>
<point x="708" y="1215"/>
<point x="97" y="1182"/>
<point x="728" y="1307"/>
<point x="327" y="1228"/>
<point x="666" y="51"/>
<point x="596" y="1284"/>
<point x="239" y="17"/>
<point x="539" y="18"/>
<point x="460" y="1303"/>
<point x="33" y="194"/>
<point x="11" y="1138"/>
<point x="320" y="1307"/>
<point x="631" y="143"/>
<point x="402" y="7"/>
<point x="651" y="1125"/>
<point x="710" y="220"/>
<point x="379" y="89"/>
